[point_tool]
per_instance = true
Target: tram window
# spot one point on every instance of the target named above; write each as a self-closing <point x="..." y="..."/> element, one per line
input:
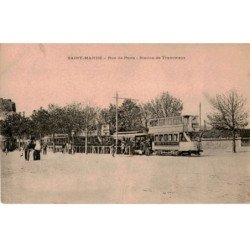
<point x="170" y="137"/>
<point x="156" y="138"/>
<point x="165" y="137"/>
<point x="160" y="137"/>
<point x="182" y="138"/>
<point x="153" y="123"/>
<point x="175" y="137"/>
<point x="162" y="122"/>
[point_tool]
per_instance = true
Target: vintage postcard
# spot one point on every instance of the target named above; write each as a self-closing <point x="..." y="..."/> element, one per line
<point x="125" y="123"/>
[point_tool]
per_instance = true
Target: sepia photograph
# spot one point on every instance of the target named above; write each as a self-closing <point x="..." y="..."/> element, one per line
<point x="125" y="123"/>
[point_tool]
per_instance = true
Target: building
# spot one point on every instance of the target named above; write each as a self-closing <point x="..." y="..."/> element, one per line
<point x="6" y="107"/>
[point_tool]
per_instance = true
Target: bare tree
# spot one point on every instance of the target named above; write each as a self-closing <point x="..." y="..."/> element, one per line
<point x="164" y="105"/>
<point x="229" y="112"/>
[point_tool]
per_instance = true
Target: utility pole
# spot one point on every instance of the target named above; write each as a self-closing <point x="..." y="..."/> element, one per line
<point x="116" y="120"/>
<point x="86" y="134"/>
<point x="200" y="114"/>
<point x="116" y="115"/>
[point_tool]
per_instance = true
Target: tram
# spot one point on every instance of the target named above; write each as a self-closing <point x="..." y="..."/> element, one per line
<point x="178" y="135"/>
<point x="61" y="139"/>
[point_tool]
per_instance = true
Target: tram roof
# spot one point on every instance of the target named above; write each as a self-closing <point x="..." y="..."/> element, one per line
<point x="178" y="116"/>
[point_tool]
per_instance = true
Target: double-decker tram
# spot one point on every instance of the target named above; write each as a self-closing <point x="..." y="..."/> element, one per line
<point x="175" y="135"/>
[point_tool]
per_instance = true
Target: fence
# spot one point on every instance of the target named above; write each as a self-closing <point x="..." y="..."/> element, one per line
<point x="95" y="149"/>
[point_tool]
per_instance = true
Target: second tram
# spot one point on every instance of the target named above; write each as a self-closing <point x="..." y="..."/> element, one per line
<point x="177" y="135"/>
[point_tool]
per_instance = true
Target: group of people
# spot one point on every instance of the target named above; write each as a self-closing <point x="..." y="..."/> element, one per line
<point x="132" y="147"/>
<point x="34" y="147"/>
<point x="68" y="148"/>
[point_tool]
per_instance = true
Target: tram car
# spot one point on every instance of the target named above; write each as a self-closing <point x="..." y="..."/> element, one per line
<point x="177" y="135"/>
<point x="139" y="142"/>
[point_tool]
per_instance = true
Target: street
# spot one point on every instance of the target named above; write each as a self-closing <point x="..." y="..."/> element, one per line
<point x="80" y="178"/>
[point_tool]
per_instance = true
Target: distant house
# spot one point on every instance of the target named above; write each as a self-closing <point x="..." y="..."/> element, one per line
<point x="245" y="137"/>
<point x="215" y="133"/>
<point x="245" y="133"/>
<point x="6" y="107"/>
<point x="222" y="139"/>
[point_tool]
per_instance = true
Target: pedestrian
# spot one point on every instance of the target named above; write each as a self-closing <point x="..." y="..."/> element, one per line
<point x="113" y="150"/>
<point x="7" y="147"/>
<point x="63" y="147"/>
<point x="21" y="150"/>
<point x="27" y="149"/>
<point x="45" y="148"/>
<point x="122" y="148"/>
<point x="70" y="148"/>
<point x="37" y="151"/>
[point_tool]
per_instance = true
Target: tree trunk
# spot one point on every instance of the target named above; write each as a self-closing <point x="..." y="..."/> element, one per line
<point x="19" y="142"/>
<point x="234" y="141"/>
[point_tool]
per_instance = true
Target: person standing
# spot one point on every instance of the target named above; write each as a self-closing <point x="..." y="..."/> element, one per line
<point x="113" y="150"/>
<point x="7" y="147"/>
<point x="45" y="148"/>
<point x="37" y="151"/>
<point x="63" y="147"/>
<point x="27" y="148"/>
<point x="70" y="147"/>
<point x="123" y="147"/>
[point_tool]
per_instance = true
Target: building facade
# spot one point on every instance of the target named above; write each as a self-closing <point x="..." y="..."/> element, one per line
<point x="6" y="107"/>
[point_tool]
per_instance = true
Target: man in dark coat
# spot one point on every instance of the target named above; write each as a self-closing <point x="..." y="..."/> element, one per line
<point x="27" y="148"/>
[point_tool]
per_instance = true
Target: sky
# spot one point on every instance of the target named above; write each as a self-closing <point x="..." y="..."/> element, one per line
<point x="34" y="75"/>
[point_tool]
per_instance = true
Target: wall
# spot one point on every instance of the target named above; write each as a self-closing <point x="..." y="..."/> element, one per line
<point x="220" y="143"/>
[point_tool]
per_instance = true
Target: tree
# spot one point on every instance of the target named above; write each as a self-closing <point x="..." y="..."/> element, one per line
<point x="129" y="116"/>
<point x="146" y="114"/>
<point x="229" y="113"/>
<point x="55" y="118"/>
<point x="41" y="122"/>
<point x="89" y="115"/>
<point x="16" y="125"/>
<point x="108" y="116"/>
<point x="165" y="105"/>
<point x="89" y="118"/>
<point x="73" y="118"/>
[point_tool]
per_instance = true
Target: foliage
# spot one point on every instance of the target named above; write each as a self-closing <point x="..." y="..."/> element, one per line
<point x="73" y="117"/>
<point x="78" y="117"/>
<point x="15" y="125"/>
<point x="229" y="112"/>
<point x="41" y="122"/>
<point x="108" y="116"/>
<point x="129" y="116"/>
<point x="165" y="105"/>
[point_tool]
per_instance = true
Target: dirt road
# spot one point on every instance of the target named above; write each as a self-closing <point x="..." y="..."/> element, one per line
<point x="63" y="178"/>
